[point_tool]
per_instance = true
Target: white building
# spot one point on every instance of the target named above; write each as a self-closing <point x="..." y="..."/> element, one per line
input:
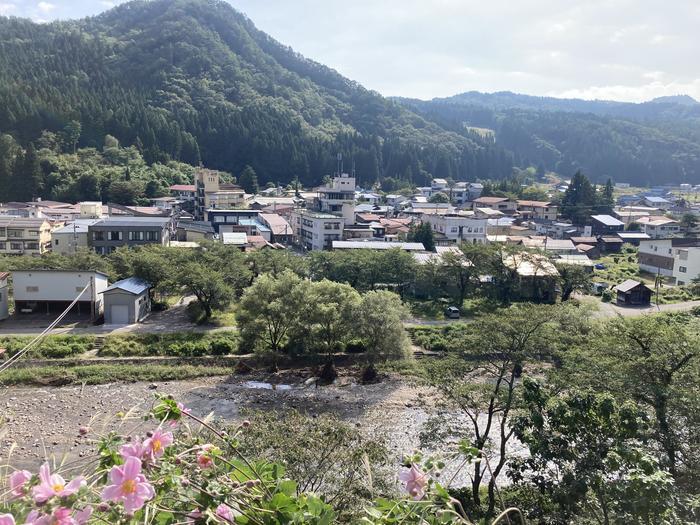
<point x="51" y="291"/>
<point x="317" y="230"/>
<point x="686" y="264"/>
<point x="338" y="198"/>
<point x="659" y="227"/>
<point x="457" y="227"/>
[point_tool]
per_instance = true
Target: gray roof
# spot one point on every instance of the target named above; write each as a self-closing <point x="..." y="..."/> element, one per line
<point x="133" y="221"/>
<point x="378" y="245"/>
<point x="608" y="220"/>
<point x="196" y="226"/>
<point x="133" y="285"/>
<point x="629" y="284"/>
<point x="77" y="226"/>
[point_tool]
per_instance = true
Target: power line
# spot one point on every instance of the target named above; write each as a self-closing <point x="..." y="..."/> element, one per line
<point x="34" y="342"/>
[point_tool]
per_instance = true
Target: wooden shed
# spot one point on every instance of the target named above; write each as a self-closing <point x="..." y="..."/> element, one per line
<point x="633" y="293"/>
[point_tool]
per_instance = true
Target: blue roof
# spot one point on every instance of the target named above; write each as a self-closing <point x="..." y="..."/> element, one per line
<point x="132" y="285"/>
<point x="254" y="222"/>
<point x="657" y="199"/>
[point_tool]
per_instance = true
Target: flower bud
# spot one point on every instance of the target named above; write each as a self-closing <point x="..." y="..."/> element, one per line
<point x="83" y="431"/>
<point x="245" y="423"/>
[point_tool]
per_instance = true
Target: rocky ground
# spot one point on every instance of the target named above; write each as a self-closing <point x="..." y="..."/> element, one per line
<point x="38" y="423"/>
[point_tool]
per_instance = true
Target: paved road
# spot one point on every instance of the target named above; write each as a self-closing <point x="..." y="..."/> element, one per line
<point x="607" y="310"/>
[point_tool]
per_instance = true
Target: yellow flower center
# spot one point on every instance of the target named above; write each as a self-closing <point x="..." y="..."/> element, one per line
<point x="129" y="486"/>
<point x="57" y="487"/>
<point x="157" y="445"/>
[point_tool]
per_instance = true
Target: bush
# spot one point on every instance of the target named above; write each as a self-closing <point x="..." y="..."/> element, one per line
<point x="607" y="296"/>
<point x="52" y="347"/>
<point x="356" y="346"/>
<point x="159" y="306"/>
<point x="186" y="344"/>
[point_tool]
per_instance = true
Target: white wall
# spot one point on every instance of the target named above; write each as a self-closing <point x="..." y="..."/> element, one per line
<point x="687" y="259"/>
<point x="57" y="286"/>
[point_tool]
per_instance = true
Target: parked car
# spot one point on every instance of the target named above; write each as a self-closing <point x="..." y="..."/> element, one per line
<point x="600" y="266"/>
<point x="452" y="312"/>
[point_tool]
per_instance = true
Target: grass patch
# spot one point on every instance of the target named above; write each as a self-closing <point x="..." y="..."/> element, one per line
<point x="52" y="347"/>
<point x="433" y="310"/>
<point x="185" y="344"/>
<point x="437" y="338"/>
<point x="101" y="374"/>
<point x="409" y="368"/>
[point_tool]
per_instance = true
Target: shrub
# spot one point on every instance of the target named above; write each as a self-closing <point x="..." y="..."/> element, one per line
<point x="356" y="346"/>
<point x="607" y="296"/>
<point x="52" y="347"/>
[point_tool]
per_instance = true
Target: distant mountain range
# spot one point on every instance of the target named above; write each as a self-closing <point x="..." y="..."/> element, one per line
<point x="196" y="81"/>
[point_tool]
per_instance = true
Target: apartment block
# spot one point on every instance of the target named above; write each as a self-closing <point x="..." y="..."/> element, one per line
<point x="24" y="236"/>
<point x="317" y="230"/>
<point x="111" y="233"/>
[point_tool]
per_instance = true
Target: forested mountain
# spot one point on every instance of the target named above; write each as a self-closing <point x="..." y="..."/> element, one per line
<point x="650" y="143"/>
<point x="195" y="81"/>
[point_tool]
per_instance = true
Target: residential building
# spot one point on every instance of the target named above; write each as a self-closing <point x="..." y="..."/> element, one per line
<point x="537" y="276"/>
<point x="69" y="239"/>
<point x="549" y="245"/>
<point x="338" y="198"/>
<point x="211" y="194"/>
<point x="458" y="227"/>
<point x="106" y="235"/>
<point x="24" y="236"/>
<point x="686" y="263"/>
<point x="633" y="293"/>
<point x="52" y="291"/>
<point x="633" y="238"/>
<point x="606" y="225"/>
<point x="4" y="296"/>
<point x="185" y="192"/>
<point x="395" y="200"/>
<point x="538" y="210"/>
<point x="127" y="301"/>
<point x="657" y="256"/>
<point x="502" y="204"/>
<point x="317" y="230"/>
<point x="474" y="190"/>
<point x="659" y="227"/>
<point x="657" y="202"/>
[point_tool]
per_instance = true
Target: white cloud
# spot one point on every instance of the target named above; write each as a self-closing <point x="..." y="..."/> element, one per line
<point x="638" y="93"/>
<point x="7" y="9"/>
<point x="45" y="7"/>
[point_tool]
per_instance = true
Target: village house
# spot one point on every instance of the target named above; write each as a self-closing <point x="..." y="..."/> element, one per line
<point x="657" y="202"/>
<point x="673" y="257"/>
<point x="230" y="220"/>
<point x="378" y="245"/>
<point x="537" y="276"/>
<point x="69" y="239"/>
<point x="606" y="225"/>
<point x="659" y="227"/>
<point x="185" y="192"/>
<point x="458" y="227"/>
<point x="537" y="210"/>
<point x="193" y="231"/>
<point x="502" y="204"/>
<point x="280" y="230"/>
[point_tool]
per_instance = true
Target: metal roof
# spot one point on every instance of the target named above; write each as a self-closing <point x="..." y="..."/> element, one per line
<point x="607" y="220"/>
<point x="133" y="285"/>
<point x="377" y="245"/>
<point x="629" y="284"/>
<point x="132" y="221"/>
<point x="235" y="238"/>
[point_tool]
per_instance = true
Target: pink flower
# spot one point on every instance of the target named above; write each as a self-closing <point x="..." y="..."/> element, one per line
<point x="54" y="485"/>
<point x="82" y="516"/>
<point x="128" y="486"/>
<point x="18" y="479"/>
<point x="7" y="519"/>
<point x="204" y="458"/>
<point x="62" y="516"/>
<point x="132" y="450"/>
<point x="226" y="512"/>
<point x="183" y="410"/>
<point x="35" y="518"/>
<point x="193" y="516"/>
<point x="155" y="446"/>
<point x="416" y="480"/>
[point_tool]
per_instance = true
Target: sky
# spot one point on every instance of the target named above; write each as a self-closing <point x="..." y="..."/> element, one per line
<point x="630" y="50"/>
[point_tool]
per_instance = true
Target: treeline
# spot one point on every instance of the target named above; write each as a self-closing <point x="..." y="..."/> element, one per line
<point x="644" y="151"/>
<point x="53" y="168"/>
<point x="194" y="81"/>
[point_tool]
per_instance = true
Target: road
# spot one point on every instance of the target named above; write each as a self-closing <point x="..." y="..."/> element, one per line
<point x="607" y="310"/>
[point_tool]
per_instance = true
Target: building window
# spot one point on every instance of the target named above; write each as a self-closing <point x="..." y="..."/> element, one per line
<point x="680" y="283"/>
<point x="15" y="246"/>
<point x="114" y="236"/>
<point x="682" y="269"/>
<point x="32" y="246"/>
<point x="32" y="289"/>
<point x="55" y="242"/>
<point x="98" y="236"/>
<point x="2" y="245"/>
<point x="153" y="236"/>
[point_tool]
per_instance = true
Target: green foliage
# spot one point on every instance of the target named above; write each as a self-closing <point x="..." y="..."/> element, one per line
<point x="52" y="347"/>
<point x="324" y="455"/>
<point x="422" y="233"/>
<point x="189" y="344"/>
